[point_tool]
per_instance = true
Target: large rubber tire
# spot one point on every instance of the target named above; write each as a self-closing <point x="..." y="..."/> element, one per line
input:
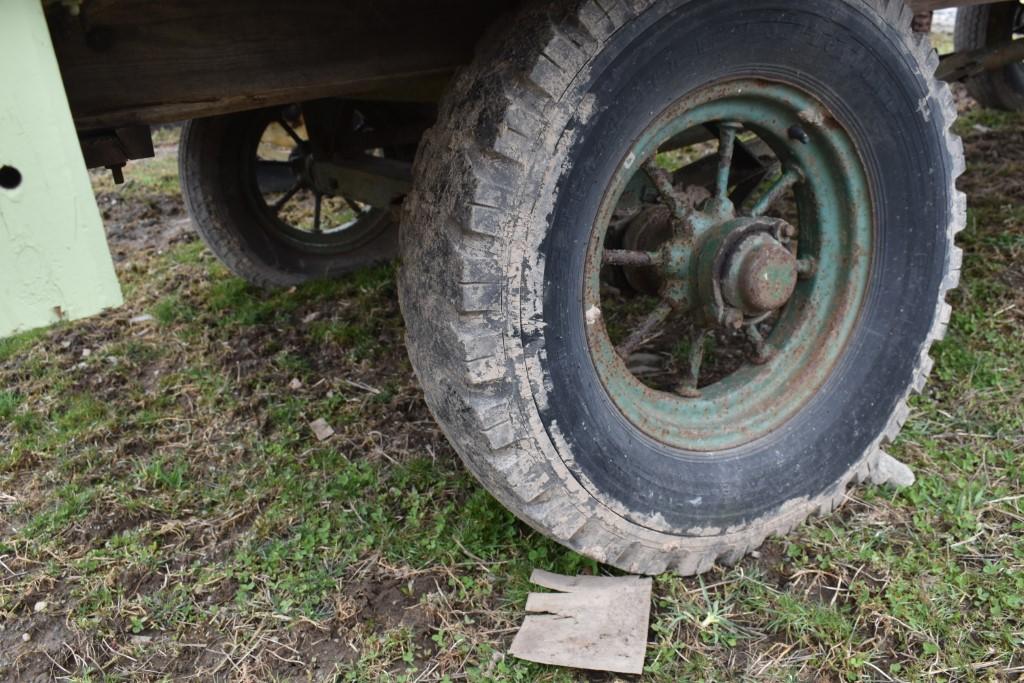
<point x="982" y="26"/>
<point x="501" y="206"/>
<point x="226" y="211"/>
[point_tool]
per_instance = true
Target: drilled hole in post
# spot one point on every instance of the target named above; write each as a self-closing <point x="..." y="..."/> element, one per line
<point x="10" y="177"/>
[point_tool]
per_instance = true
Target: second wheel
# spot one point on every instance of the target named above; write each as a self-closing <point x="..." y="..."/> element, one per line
<point x="988" y="26"/>
<point x="291" y="194"/>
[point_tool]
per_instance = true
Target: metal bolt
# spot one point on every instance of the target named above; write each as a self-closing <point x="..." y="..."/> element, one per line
<point x="799" y="134"/>
<point x="806" y="268"/>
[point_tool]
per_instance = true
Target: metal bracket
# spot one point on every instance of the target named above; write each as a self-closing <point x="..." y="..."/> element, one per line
<point x="963" y="65"/>
<point x="112" y="149"/>
<point x="378" y="182"/>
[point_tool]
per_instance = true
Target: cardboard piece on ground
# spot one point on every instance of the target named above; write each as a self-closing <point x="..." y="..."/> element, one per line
<point x="594" y="622"/>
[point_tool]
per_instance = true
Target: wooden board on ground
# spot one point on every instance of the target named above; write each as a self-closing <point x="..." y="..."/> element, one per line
<point x="594" y="622"/>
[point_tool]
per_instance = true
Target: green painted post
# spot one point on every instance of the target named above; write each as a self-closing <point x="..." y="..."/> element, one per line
<point x="54" y="260"/>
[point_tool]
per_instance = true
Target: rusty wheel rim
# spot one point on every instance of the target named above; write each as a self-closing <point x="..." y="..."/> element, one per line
<point x="732" y="266"/>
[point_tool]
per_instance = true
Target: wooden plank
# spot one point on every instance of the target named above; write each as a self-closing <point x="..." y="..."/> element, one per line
<point x="595" y="622"/>
<point x="929" y="5"/>
<point x="130" y="62"/>
<point x="140" y="61"/>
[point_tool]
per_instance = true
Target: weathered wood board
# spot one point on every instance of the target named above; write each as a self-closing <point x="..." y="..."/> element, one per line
<point x="129" y="62"/>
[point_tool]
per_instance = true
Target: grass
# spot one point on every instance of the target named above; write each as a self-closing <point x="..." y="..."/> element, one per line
<point x="166" y="511"/>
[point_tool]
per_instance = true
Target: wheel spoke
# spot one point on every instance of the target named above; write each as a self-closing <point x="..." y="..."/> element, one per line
<point x="682" y="213"/>
<point x="352" y="204"/>
<point x="619" y="257"/>
<point x="763" y="352"/>
<point x="643" y="333"/>
<point x="788" y="179"/>
<point x="726" y="149"/>
<point x="317" y="206"/>
<point x="284" y="199"/>
<point x="291" y="131"/>
<point x="688" y="389"/>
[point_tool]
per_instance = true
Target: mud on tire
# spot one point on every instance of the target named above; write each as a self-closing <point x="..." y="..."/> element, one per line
<point x="495" y="238"/>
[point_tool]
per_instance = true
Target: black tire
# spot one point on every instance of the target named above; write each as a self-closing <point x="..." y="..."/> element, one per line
<point x="982" y="26"/>
<point x="232" y="218"/>
<point x="490" y="291"/>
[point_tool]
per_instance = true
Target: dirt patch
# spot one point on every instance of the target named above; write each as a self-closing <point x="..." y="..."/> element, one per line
<point x="99" y="526"/>
<point x="386" y="604"/>
<point x="150" y="224"/>
<point x="36" y="648"/>
<point x="770" y="558"/>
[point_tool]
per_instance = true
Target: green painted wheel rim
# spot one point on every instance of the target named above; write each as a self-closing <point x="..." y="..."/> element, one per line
<point x="836" y="235"/>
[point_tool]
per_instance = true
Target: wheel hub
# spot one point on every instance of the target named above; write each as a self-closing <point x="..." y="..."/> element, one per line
<point x="747" y="270"/>
<point x="733" y="269"/>
<point x="761" y="276"/>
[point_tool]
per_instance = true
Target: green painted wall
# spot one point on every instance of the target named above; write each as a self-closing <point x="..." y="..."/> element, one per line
<point x="54" y="260"/>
